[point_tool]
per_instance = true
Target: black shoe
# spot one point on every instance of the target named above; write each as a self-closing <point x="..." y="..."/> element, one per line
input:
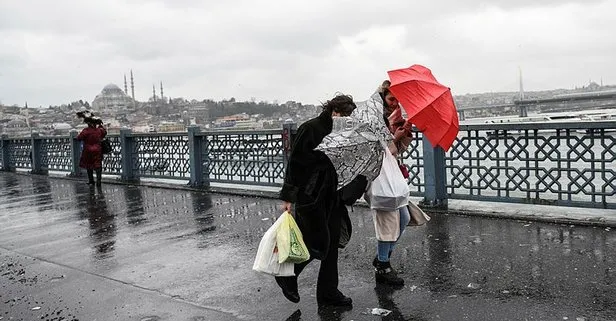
<point x="288" y="284"/>
<point x="335" y="300"/>
<point x="90" y="182"/>
<point x="385" y="274"/>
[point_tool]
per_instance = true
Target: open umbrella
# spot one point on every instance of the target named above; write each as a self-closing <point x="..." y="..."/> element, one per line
<point x="428" y="104"/>
<point x="355" y="144"/>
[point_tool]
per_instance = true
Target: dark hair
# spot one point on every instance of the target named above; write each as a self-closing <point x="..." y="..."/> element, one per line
<point x="384" y="90"/>
<point x="342" y="104"/>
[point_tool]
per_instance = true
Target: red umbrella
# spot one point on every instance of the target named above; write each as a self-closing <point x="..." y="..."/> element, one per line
<point x="428" y="104"/>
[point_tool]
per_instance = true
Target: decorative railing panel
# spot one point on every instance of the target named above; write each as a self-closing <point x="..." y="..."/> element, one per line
<point x="244" y="157"/>
<point x="569" y="164"/>
<point x="56" y="154"/>
<point x="413" y="159"/>
<point x="112" y="162"/>
<point x="162" y="155"/>
<point x="560" y="164"/>
<point x="20" y="153"/>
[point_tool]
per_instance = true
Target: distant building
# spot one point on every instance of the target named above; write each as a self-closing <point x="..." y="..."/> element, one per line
<point x="168" y="127"/>
<point x="239" y="121"/>
<point x="61" y="128"/>
<point x="112" y="98"/>
<point x="198" y="110"/>
<point x="17" y="128"/>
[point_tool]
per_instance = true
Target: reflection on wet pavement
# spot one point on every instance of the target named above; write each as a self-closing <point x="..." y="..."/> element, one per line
<point x="200" y="247"/>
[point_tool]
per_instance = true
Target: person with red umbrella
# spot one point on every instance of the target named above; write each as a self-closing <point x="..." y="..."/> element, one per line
<point x="430" y="107"/>
<point x="389" y="225"/>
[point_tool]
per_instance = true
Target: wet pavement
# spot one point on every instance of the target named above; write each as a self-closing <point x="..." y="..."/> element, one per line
<point x="71" y="252"/>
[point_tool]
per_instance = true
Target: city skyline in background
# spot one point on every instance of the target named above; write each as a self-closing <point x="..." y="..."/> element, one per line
<point x="157" y="90"/>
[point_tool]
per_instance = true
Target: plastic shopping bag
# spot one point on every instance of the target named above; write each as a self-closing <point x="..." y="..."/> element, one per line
<point x="266" y="260"/>
<point x="291" y="246"/>
<point x="389" y="191"/>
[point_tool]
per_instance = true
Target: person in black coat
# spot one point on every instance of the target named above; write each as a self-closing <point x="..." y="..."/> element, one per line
<point x="310" y="193"/>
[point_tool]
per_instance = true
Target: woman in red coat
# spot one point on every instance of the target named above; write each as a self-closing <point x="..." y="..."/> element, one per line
<point x="92" y="152"/>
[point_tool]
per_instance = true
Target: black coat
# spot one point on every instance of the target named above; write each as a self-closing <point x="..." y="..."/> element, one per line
<point x="311" y="184"/>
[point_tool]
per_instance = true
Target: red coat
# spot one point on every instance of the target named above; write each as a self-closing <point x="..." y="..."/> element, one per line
<point x="401" y="129"/>
<point x="92" y="152"/>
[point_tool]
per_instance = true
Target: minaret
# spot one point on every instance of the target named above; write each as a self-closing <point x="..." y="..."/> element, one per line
<point x="125" y="85"/>
<point x="132" y="88"/>
<point x="153" y="92"/>
<point x="162" y="96"/>
<point x="521" y="85"/>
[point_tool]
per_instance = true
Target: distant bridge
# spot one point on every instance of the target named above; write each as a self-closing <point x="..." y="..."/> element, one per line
<point x="560" y="103"/>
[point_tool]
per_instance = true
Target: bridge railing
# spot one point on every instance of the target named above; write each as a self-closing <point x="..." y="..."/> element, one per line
<point x="235" y="157"/>
<point x="568" y="164"/>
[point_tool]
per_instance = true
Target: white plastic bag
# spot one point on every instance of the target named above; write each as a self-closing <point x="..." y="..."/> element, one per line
<point x="389" y="191"/>
<point x="266" y="260"/>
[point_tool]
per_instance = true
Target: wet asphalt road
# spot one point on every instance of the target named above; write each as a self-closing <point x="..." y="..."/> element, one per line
<point x="71" y="252"/>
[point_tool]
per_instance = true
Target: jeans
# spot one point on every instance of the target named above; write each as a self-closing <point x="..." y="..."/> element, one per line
<point x="384" y="249"/>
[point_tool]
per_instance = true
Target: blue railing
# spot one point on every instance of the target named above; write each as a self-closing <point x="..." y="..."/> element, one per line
<point x="568" y="164"/>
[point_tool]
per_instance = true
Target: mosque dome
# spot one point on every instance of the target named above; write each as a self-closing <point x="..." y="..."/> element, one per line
<point x="113" y="90"/>
<point x="111" y="97"/>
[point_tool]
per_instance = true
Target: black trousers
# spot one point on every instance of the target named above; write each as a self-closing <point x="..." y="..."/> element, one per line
<point x="99" y="173"/>
<point x="327" y="283"/>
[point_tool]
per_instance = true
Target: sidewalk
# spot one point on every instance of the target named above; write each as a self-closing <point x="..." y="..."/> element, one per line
<point x="142" y="253"/>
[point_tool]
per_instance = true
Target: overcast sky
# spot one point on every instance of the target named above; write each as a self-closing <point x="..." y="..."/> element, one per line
<point x="53" y="52"/>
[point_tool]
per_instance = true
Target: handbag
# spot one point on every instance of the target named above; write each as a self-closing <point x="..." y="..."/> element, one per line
<point x="418" y="216"/>
<point x="404" y="170"/>
<point x="106" y="146"/>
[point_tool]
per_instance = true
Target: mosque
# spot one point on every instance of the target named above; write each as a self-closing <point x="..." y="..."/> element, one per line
<point x="114" y="98"/>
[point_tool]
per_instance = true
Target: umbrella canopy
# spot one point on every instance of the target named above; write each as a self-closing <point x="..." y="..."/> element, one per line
<point x="355" y="144"/>
<point x="428" y="104"/>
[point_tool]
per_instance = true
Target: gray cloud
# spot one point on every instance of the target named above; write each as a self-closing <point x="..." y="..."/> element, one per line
<point x="296" y="50"/>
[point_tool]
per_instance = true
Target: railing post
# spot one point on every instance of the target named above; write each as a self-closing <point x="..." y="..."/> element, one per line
<point x="6" y="156"/>
<point x="128" y="146"/>
<point x="36" y="154"/>
<point x="435" y="176"/>
<point x="288" y="130"/>
<point x="195" y="145"/>
<point x="75" y="155"/>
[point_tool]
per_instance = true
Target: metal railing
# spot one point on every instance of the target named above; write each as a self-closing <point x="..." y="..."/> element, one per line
<point x="568" y="164"/>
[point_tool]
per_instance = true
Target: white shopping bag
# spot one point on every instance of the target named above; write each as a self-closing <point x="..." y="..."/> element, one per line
<point x="266" y="260"/>
<point x="389" y="191"/>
